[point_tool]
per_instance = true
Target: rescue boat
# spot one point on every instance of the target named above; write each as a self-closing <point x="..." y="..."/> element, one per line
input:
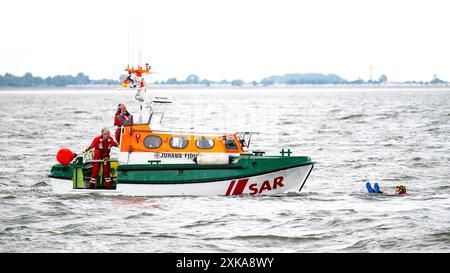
<point x="153" y="160"/>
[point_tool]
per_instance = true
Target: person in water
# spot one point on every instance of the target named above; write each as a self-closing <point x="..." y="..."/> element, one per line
<point x="122" y="117"/>
<point x="399" y="189"/>
<point x="102" y="145"/>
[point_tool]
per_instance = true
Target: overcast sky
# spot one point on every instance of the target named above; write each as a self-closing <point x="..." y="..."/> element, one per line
<point x="406" y="40"/>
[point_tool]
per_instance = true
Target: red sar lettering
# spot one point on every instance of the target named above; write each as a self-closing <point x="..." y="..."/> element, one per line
<point x="277" y="182"/>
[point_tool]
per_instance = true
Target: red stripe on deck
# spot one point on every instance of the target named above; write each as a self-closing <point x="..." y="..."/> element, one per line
<point x="240" y="186"/>
<point x="230" y="188"/>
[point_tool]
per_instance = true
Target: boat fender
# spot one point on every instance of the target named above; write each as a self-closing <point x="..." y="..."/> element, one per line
<point x="65" y="156"/>
<point x="203" y="159"/>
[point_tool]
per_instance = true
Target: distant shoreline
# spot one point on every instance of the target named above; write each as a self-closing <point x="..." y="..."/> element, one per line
<point x="193" y="81"/>
<point x="249" y="86"/>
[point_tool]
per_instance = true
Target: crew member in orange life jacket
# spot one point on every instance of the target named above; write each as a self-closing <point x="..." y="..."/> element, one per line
<point x="122" y="117"/>
<point x="102" y="145"/>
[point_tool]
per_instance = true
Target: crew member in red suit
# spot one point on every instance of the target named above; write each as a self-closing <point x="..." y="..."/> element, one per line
<point x="102" y="145"/>
<point x="122" y="117"/>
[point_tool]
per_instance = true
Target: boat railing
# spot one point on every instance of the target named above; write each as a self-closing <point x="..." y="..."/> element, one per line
<point x="101" y="160"/>
<point x="88" y="158"/>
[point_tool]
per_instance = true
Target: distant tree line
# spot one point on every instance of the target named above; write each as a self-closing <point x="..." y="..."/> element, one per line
<point x="28" y="80"/>
<point x="194" y="79"/>
<point x="308" y="78"/>
<point x="287" y="79"/>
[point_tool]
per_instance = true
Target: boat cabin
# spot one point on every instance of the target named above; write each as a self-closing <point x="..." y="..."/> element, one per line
<point x="141" y="145"/>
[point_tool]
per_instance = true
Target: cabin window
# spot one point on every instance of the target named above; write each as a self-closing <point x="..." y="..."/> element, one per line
<point x="204" y="143"/>
<point x="178" y="142"/>
<point x="152" y="142"/>
<point x="230" y="144"/>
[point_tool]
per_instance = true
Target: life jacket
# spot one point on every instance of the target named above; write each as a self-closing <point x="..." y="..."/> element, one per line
<point x="125" y="117"/>
<point x="102" y="147"/>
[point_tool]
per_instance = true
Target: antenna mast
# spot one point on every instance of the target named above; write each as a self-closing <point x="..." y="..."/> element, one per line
<point x="135" y="79"/>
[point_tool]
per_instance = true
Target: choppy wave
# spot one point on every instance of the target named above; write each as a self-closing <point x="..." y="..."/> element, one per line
<point x="385" y="137"/>
<point x="352" y="116"/>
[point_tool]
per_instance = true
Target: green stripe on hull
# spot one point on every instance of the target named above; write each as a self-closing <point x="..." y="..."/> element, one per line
<point x="192" y="173"/>
<point x="62" y="171"/>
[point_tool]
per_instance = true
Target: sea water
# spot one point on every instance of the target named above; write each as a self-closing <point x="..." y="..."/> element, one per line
<point x="354" y="135"/>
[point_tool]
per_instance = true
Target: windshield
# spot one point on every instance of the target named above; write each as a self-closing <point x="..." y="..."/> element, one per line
<point x="244" y="138"/>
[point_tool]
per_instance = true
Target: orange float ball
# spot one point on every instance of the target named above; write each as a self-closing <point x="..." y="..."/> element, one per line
<point x="64" y="156"/>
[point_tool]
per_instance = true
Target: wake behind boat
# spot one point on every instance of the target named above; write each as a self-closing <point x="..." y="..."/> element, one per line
<point x="156" y="161"/>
